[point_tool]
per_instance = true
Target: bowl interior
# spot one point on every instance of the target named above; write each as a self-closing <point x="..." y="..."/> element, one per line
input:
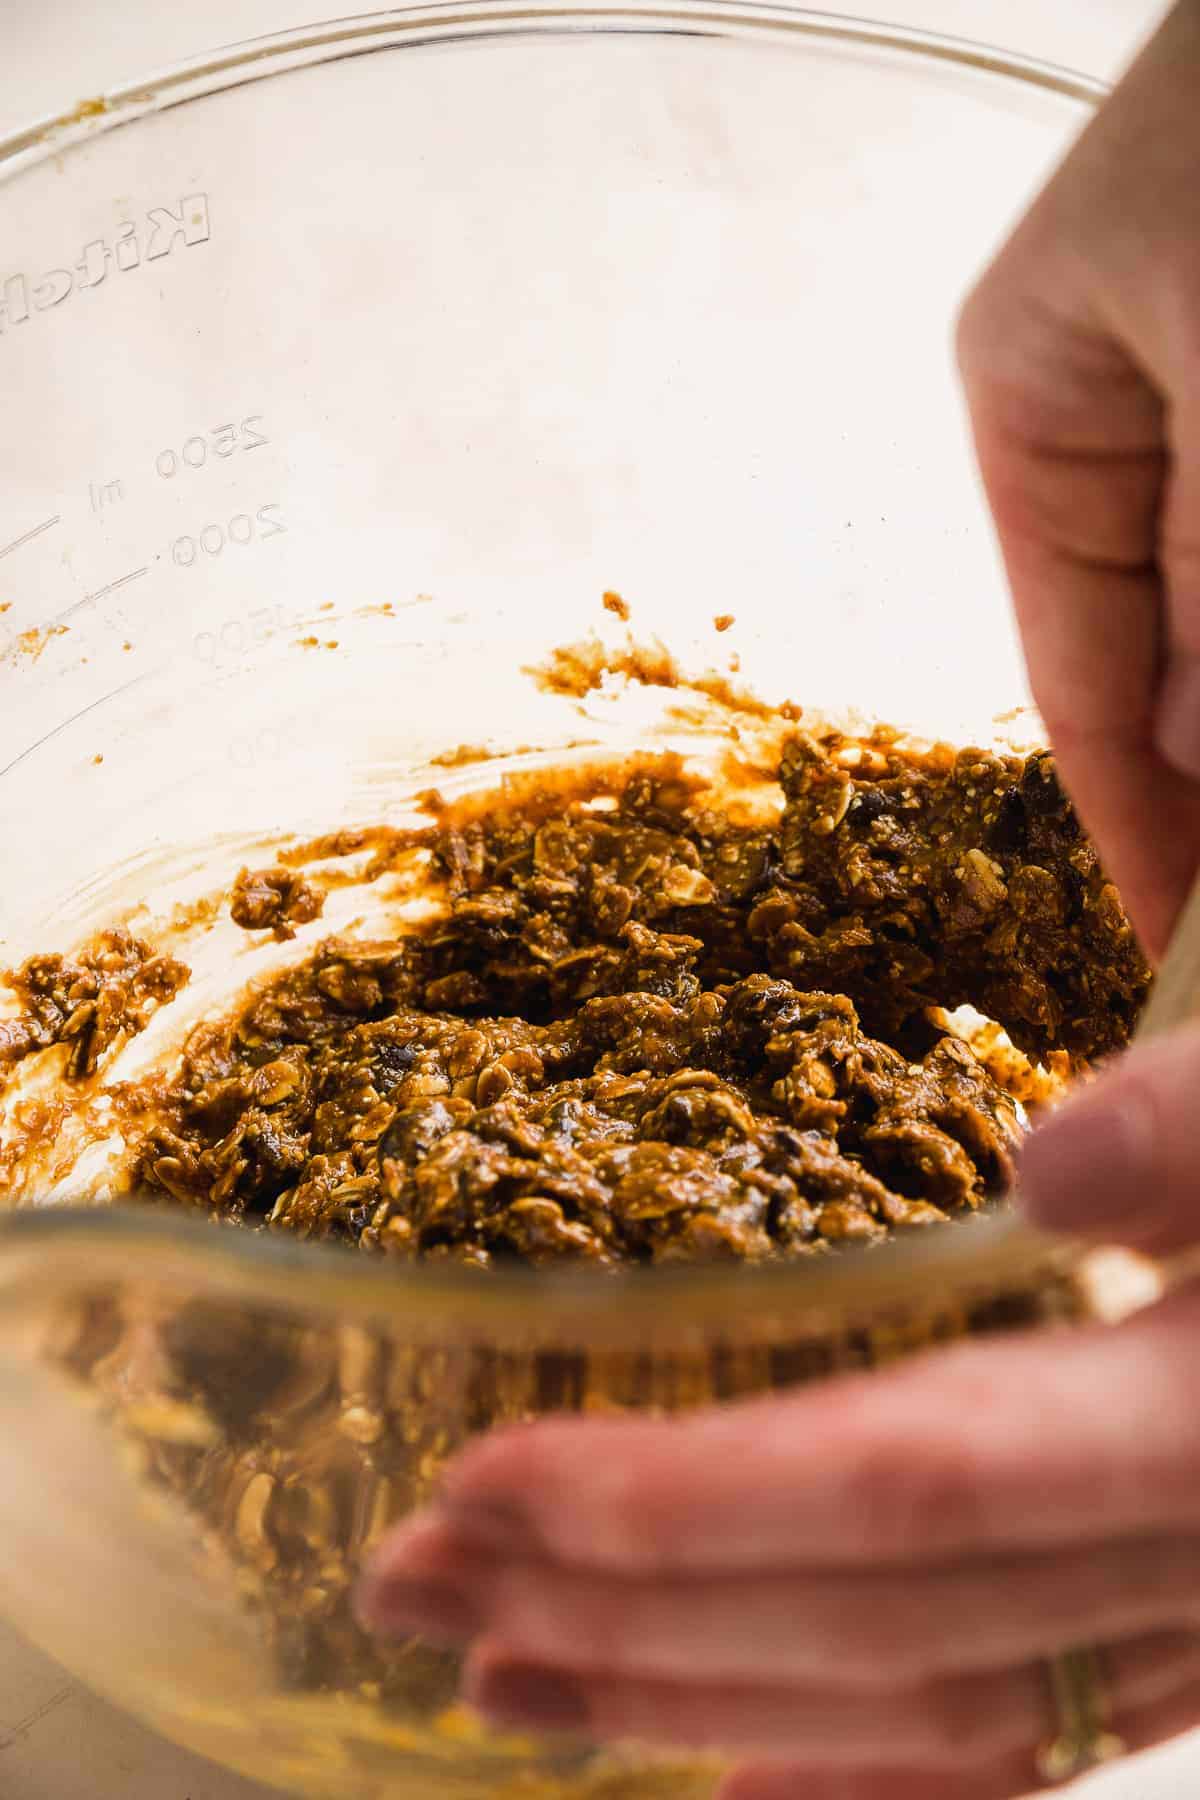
<point x="351" y="368"/>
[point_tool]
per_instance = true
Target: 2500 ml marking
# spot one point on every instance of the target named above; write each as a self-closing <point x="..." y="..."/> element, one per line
<point x="224" y="441"/>
<point x="241" y="529"/>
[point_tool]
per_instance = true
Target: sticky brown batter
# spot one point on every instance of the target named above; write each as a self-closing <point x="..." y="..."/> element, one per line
<point x="645" y="1030"/>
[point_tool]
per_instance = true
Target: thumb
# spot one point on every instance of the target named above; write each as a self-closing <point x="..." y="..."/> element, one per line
<point x="1121" y="1161"/>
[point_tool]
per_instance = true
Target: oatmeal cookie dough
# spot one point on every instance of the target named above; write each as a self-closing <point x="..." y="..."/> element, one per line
<point x="636" y="1024"/>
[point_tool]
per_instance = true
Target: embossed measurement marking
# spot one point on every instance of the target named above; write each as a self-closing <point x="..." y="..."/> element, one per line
<point x="241" y="529"/>
<point x="223" y="441"/>
<point x="102" y="593"/>
<point x="65" y="724"/>
<point x="266" y="745"/>
<point x="234" y="637"/>
<point x="105" y="493"/>
<point x="29" y="536"/>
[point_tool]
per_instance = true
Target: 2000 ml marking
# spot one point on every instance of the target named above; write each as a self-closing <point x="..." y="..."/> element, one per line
<point x="215" y="538"/>
<point x="160" y="231"/>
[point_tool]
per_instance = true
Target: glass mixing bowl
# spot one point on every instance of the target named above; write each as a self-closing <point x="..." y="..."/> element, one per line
<point x="342" y="372"/>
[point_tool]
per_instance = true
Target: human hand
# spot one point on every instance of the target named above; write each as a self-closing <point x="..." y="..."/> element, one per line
<point x="1080" y="352"/>
<point x="849" y="1590"/>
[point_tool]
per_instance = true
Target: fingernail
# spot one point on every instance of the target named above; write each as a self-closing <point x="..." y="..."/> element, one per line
<point x="1178" y="729"/>
<point x="495" y="1525"/>
<point x="527" y="1694"/>
<point x="1085" y="1168"/>
<point x="401" y="1606"/>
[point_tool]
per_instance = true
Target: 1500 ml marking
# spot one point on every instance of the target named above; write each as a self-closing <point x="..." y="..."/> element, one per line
<point x="235" y="637"/>
<point x="157" y="234"/>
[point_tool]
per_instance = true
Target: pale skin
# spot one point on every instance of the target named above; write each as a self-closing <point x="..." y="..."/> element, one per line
<point x="851" y="1591"/>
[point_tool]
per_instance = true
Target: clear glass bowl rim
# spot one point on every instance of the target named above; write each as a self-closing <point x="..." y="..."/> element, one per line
<point x="42" y="1252"/>
<point x="46" y="1253"/>
<point x="411" y="27"/>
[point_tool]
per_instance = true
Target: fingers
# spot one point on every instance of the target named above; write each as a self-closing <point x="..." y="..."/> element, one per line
<point x="1119" y="1161"/>
<point x="1078" y="351"/>
<point x="967" y="1722"/>
<point x="1169" y="346"/>
<point x="1071" y="448"/>
<point x="1140" y="1726"/>
<point x="985" y="1448"/>
<point x="876" y="1629"/>
<point x="1178" y="725"/>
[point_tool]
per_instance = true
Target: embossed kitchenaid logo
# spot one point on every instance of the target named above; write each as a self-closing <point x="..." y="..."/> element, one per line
<point x="162" y="230"/>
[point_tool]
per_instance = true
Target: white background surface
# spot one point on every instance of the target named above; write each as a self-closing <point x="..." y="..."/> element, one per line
<point x="56" y="1741"/>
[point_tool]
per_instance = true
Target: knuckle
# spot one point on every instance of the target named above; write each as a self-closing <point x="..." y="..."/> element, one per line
<point x="514" y="1469"/>
<point x="997" y="328"/>
<point x="974" y="329"/>
<point x="499" y="1461"/>
<point x="588" y="1500"/>
<point x="642" y="1506"/>
<point x="904" y="1494"/>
